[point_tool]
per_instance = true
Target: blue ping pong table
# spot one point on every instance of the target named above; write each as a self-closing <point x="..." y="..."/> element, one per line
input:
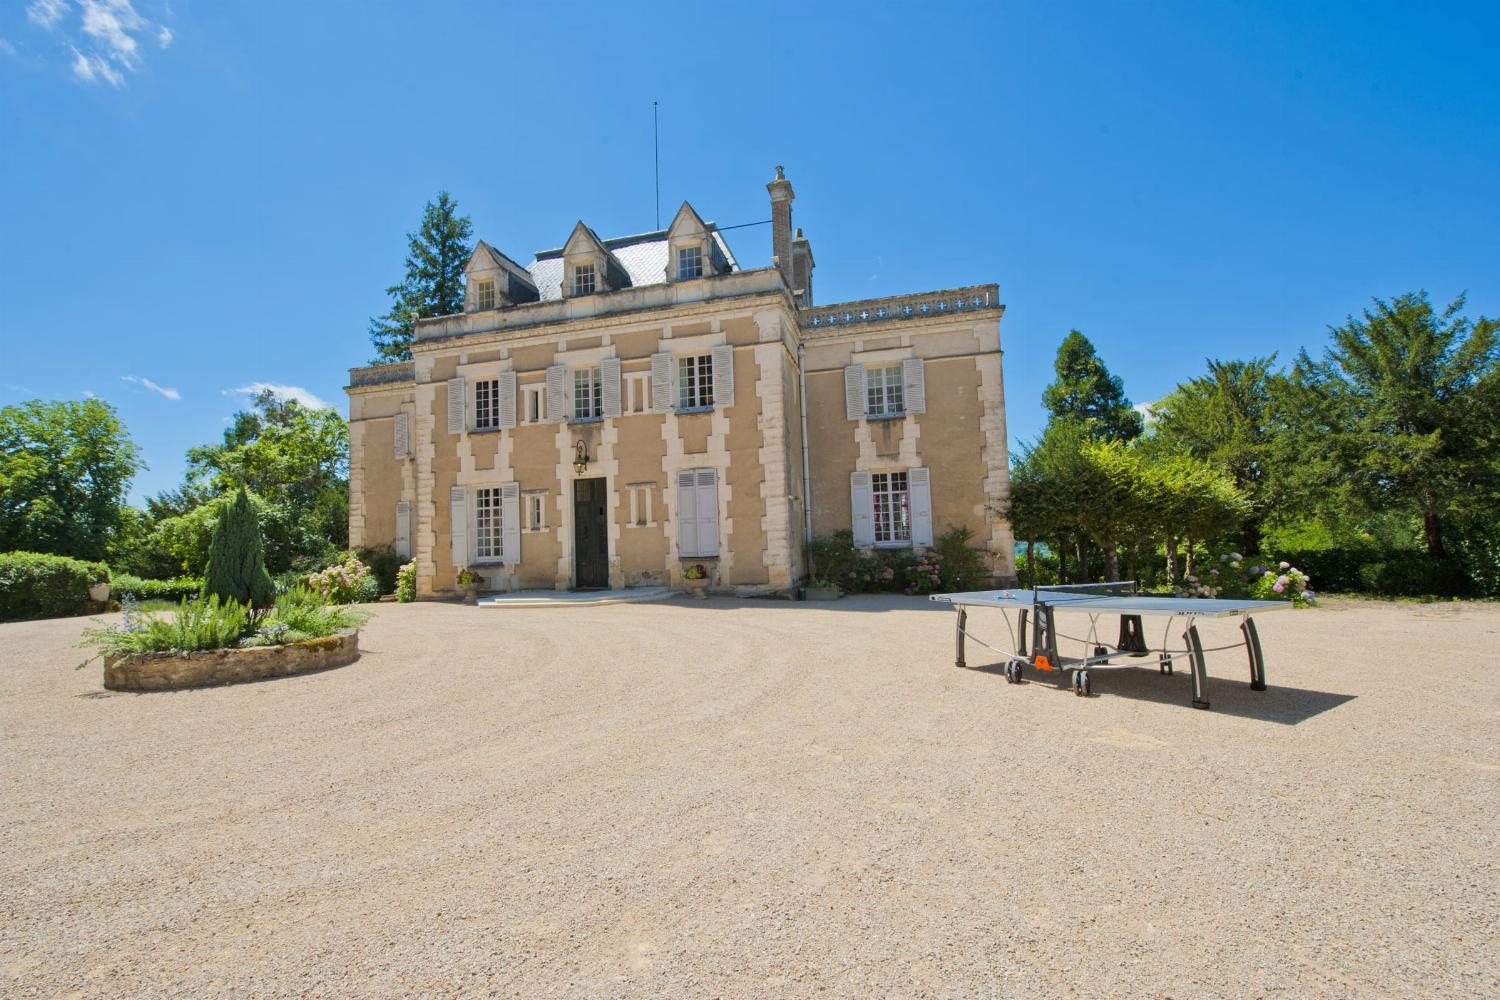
<point x="1036" y="613"/>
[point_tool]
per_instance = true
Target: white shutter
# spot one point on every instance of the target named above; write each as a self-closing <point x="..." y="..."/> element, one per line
<point x="456" y="390"/>
<point x="403" y="435"/>
<point x="556" y="394"/>
<point x="510" y="523"/>
<point x="862" y="508"/>
<point x="854" y="392"/>
<point x="662" y="384"/>
<point x="609" y="371"/>
<point x="914" y="385"/>
<point x="459" y="528"/>
<point x="708" y="513"/>
<point x="508" y="398"/>
<point x="403" y="529"/>
<point x="919" y="497"/>
<point x="723" y="376"/>
<point x="687" y="513"/>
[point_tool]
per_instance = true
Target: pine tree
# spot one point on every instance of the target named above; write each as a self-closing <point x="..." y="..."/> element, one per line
<point x="236" y="567"/>
<point x="1087" y="392"/>
<point x="434" y="284"/>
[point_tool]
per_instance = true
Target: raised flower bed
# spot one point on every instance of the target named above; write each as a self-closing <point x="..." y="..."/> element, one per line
<point x="174" y="671"/>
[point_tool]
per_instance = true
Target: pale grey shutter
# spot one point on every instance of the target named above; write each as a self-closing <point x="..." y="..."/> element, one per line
<point x="556" y="394"/>
<point x="456" y="392"/>
<point x="609" y="372"/>
<point x="708" y="512"/>
<point x="723" y="376"/>
<point x="459" y="527"/>
<point x="914" y="385"/>
<point x="508" y="398"/>
<point x="687" y="513"/>
<point x="919" y="497"/>
<point x="854" y="392"/>
<point x="510" y="523"/>
<point x="403" y="435"/>
<point x="862" y="508"/>
<point x="662" y="384"/>
<point x="403" y="529"/>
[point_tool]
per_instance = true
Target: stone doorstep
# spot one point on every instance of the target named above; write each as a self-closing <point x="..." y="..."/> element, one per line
<point x="575" y="599"/>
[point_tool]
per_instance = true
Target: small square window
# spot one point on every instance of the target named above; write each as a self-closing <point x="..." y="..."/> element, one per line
<point x="695" y="382"/>
<point x="533" y="404"/>
<point x="484" y="295"/>
<point x="689" y="262"/>
<point x="583" y="279"/>
<point x="588" y="394"/>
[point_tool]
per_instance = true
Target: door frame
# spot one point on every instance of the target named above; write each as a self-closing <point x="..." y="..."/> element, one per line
<point x="603" y="482"/>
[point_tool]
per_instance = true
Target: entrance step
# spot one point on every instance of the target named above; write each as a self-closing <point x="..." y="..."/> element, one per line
<point x="575" y="599"/>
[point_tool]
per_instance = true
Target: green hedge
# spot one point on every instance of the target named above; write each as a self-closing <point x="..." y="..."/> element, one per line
<point x="36" y="585"/>
<point x="156" y="590"/>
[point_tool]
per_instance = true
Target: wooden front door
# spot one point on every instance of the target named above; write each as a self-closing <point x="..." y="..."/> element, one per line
<point x="590" y="535"/>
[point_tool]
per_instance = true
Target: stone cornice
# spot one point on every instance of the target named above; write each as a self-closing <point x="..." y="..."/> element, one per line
<point x="378" y="376"/>
<point x="840" y="318"/>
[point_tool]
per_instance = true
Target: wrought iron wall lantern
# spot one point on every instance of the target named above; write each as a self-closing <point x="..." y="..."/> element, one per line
<point x="580" y="457"/>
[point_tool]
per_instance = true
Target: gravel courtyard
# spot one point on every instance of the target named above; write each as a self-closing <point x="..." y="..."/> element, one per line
<point x="758" y="799"/>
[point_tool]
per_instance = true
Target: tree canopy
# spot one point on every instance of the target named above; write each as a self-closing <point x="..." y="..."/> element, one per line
<point x="434" y="281"/>
<point x="1086" y="391"/>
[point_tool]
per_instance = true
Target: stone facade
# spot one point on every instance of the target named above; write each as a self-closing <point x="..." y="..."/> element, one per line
<point x="626" y="409"/>
<point x="212" y="667"/>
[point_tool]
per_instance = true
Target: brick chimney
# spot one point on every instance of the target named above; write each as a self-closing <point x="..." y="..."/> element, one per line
<point x="802" y="269"/>
<point x="781" y="225"/>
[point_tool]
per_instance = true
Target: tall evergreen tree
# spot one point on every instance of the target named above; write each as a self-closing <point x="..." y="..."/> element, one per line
<point x="1087" y="392"/>
<point x="434" y="283"/>
<point x="236" y="567"/>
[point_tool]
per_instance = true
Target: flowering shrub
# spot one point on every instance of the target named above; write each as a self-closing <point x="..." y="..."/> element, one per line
<point x="1227" y="576"/>
<point x="347" y="582"/>
<point x="697" y="571"/>
<point x="1286" y="583"/>
<point x="925" y="576"/>
<point x="406" y="583"/>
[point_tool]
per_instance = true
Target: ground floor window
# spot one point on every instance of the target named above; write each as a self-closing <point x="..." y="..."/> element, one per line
<point x="488" y="537"/>
<point x="892" y="507"/>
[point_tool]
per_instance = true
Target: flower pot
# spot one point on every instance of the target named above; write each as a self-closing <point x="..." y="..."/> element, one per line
<point x="99" y="593"/>
<point x="824" y="594"/>
<point x="697" y="588"/>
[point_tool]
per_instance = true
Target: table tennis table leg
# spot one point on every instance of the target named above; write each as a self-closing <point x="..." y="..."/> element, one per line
<point x="1021" y="630"/>
<point x="1257" y="659"/>
<point x="1200" y="668"/>
<point x="958" y="640"/>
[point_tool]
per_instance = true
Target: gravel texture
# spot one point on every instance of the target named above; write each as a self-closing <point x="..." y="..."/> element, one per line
<point x="758" y="799"/>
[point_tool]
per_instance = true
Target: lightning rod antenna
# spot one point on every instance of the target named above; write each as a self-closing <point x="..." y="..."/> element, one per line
<point x="656" y="153"/>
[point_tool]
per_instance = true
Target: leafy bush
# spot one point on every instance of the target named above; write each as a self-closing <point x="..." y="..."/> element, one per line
<point x="36" y="585"/>
<point x="384" y="563"/>
<point x="302" y="614"/>
<point x="833" y="558"/>
<point x="198" y="623"/>
<point x="406" y="583"/>
<point x="1413" y="574"/>
<point x="156" y="590"/>
<point x="1228" y="576"/>
<point x="961" y="566"/>
<point x="950" y="564"/>
<point x="348" y="582"/>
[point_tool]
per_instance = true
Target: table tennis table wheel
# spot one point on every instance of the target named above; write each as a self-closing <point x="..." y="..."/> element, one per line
<point x="1165" y="666"/>
<point x="1081" y="686"/>
<point x="1013" y="672"/>
<point x="1100" y="651"/>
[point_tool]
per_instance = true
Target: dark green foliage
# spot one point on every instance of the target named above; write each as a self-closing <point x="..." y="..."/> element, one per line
<point x="1085" y="391"/>
<point x="236" y="568"/>
<point x="960" y="565"/>
<point x="40" y="585"/>
<point x="384" y="563"/>
<point x="142" y="589"/>
<point x="434" y="283"/>
<point x="1414" y="574"/>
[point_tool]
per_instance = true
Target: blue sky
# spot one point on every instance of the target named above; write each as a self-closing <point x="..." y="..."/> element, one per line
<point x="197" y="198"/>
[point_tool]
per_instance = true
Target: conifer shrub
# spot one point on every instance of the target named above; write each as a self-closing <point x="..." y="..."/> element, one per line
<point x="236" y="564"/>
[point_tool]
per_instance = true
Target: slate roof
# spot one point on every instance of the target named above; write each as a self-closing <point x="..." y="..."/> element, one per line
<point x="643" y="256"/>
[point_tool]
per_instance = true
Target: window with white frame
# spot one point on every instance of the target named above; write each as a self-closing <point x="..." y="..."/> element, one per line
<point x="583" y="279"/>
<point x="533" y="403"/>
<point x="883" y="391"/>
<point x="637" y="390"/>
<point x="892" y="503"/>
<point x="695" y="382"/>
<point x="484" y="294"/>
<point x="486" y="404"/>
<point x="488" y="537"/>
<point x="689" y="262"/>
<point x="588" y="394"/>
<point x="536" y="510"/>
<point x="640" y="504"/>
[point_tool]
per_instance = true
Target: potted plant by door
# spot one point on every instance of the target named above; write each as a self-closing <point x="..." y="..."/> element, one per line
<point x="696" y="577"/>
<point x="468" y="580"/>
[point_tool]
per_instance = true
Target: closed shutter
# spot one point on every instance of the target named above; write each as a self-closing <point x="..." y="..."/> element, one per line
<point x="508" y="398"/>
<point x="723" y="376"/>
<point x="687" y="513"/>
<point x="403" y="529"/>
<point x="556" y="394"/>
<point x="403" y="435"/>
<point x="862" y="508"/>
<point x="854" y="392"/>
<point x="510" y="523"/>
<point x="459" y="528"/>
<point x="914" y="385"/>
<point x="609" y="371"/>
<point x="456" y="391"/>
<point x="708" y="512"/>
<point x="662" y="384"/>
<point x="919" y="497"/>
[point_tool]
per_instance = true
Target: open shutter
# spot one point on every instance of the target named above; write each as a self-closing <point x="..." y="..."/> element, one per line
<point x="854" y="392"/>
<point x="510" y="523"/>
<point x="723" y="376"/>
<point x="403" y="529"/>
<point x="456" y="390"/>
<point x="862" y="508"/>
<point x="919" y="496"/>
<point x="687" y="513"/>
<point x="459" y="527"/>
<point x="556" y="394"/>
<point x="609" y="372"/>
<point x="914" y="385"/>
<point x="508" y="398"/>
<point x="403" y="435"/>
<point x="708" y="512"/>
<point x="661" y="382"/>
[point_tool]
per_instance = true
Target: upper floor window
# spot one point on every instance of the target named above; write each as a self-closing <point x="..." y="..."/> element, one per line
<point x="695" y="382"/>
<point x="588" y="394"/>
<point x="584" y="279"/>
<point x="484" y="294"/>
<point x="884" y="393"/>
<point x="636" y="388"/>
<point x="533" y="404"/>
<point x="892" y="503"/>
<point x="690" y="262"/>
<point x="486" y="404"/>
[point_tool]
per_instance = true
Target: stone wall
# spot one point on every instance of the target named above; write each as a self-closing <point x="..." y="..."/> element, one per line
<point x="212" y="667"/>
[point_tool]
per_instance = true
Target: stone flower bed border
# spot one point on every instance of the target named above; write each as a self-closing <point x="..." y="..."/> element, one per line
<point x="212" y="667"/>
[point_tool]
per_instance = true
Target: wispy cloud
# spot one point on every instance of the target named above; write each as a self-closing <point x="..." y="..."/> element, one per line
<point x="46" y="13"/>
<point x="146" y="383"/>
<point x="1146" y="410"/>
<point x="104" y="39"/>
<point x="296" y="392"/>
<point x="6" y="47"/>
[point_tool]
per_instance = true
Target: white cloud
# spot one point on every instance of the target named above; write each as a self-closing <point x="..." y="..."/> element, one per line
<point x="296" y="392"/>
<point x="164" y="37"/>
<point x="105" y="41"/>
<point x="1147" y="411"/>
<point x="46" y="13"/>
<point x="6" y="47"/>
<point x="146" y="383"/>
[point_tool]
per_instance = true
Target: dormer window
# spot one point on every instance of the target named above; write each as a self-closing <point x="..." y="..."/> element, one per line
<point x="689" y="263"/>
<point x="584" y="279"/>
<point x="484" y="295"/>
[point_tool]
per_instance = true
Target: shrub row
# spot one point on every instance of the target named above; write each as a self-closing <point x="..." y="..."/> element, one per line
<point x="36" y="585"/>
<point x="951" y="564"/>
<point x="156" y="590"/>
